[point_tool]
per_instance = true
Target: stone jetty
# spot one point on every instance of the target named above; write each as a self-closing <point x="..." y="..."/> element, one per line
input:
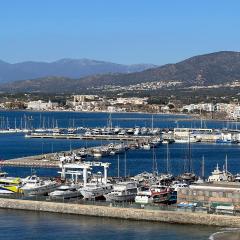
<point x="122" y="213"/>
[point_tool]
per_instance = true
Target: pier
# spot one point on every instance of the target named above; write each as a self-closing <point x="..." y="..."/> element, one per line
<point x="88" y="137"/>
<point x="38" y="161"/>
<point x="122" y="213"/>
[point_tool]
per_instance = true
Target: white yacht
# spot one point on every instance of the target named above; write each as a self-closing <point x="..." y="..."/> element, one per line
<point x="218" y="175"/>
<point x="122" y="191"/>
<point x="65" y="192"/>
<point x="95" y="190"/>
<point x="33" y="185"/>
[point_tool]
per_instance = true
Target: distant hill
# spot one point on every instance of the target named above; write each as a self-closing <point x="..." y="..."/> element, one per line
<point x="69" y="68"/>
<point x="208" y="69"/>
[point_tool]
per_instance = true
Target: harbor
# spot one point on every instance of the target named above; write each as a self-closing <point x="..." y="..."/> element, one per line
<point x="147" y="171"/>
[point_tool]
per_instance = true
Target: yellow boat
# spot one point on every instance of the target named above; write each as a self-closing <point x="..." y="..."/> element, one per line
<point x="9" y="185"/>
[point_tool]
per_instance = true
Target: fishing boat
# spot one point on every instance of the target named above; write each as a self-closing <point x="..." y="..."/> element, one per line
<point x="122" y="191"/>
<point x="153" y="194"/>
<point x="33" y="185"/>
<point x="66" y="192"/>
<point x="160" y="194"/>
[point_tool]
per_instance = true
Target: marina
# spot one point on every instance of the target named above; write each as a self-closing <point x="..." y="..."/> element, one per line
<point x="148" y="175"/>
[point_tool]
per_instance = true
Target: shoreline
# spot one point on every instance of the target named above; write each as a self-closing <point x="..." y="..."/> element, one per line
<point x="188" y="116"/>
<point x="174" y="217"/>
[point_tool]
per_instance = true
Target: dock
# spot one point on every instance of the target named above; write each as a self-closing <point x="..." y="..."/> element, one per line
<point x="42" y="161"/>
<point x="88" y="137"/>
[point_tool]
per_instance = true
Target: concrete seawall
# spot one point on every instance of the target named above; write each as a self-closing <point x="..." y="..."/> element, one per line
<point x="123" y="213"/>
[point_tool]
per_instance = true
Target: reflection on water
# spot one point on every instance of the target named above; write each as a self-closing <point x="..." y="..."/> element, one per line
<point x="31" y="225"/>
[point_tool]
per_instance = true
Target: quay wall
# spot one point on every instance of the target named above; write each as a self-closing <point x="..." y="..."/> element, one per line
<point x="122" y="213"/>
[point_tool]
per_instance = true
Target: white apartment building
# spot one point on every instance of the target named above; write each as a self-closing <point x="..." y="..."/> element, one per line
<point x="41" y="105"/>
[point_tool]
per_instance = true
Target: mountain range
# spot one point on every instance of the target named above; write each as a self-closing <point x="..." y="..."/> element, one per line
<point x="70" y="68"/>
<point x="203" y="70"/>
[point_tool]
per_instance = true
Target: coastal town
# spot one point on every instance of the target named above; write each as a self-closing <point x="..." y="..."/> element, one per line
<point x="95" y="103"/>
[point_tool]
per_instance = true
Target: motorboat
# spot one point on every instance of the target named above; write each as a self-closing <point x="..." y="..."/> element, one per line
<point x="122" y="191"/>
<point x="188" y="177"/>
<point x="97" y="153"/>
<point x="136" y="131"/>
<point x="178" y="185"/>
<point x="33" y="185"/>
<point x="130" y="131"/>
<point x="144" y="196"/>
<point x="66" y="192"/>
<point x="10" y="185"/>
<point x="146" y="146"/>
<point x="96" y="190"/>
<point x="155" y="142"/>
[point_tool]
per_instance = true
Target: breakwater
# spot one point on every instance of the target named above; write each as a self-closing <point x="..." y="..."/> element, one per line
<point x="122" y="213"/>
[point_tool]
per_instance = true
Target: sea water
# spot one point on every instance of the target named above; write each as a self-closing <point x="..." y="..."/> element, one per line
<point x="24" y="225"/>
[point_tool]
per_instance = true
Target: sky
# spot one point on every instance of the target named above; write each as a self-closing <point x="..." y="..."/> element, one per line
<point x="121" y="31"/>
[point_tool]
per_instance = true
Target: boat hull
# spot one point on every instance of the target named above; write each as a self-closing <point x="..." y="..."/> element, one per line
<point x="119" y="198"/>
<point x="66" y="195"/>
<point x="41" y="190"/>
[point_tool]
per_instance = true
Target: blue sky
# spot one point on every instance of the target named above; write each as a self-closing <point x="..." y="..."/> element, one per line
<point x="122" y="31"/>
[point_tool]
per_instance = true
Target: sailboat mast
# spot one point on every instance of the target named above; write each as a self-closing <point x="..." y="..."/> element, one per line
<point x="226" y="164"/>
<point x="153" y="168"/>
<point x="189" y="154"/>
<point x="152" y="123"/>
<point x="167" y="159"/>
<point x="118" y="168"/>
<point x="203" y="167"/>
<point x="125" y="164"/>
